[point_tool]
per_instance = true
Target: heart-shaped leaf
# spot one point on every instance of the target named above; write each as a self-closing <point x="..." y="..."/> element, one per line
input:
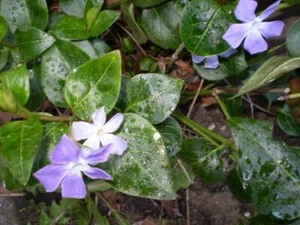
<point x="19" y="145"/>
<point x="269" y="169"/>
<point x="144" y="168"/>
<point x="203" y="24"/>
<point x="153" y="96"/>
<point x="95" y="84"/>
<point x="61" y="59"/>
<point x="26" y="12"/>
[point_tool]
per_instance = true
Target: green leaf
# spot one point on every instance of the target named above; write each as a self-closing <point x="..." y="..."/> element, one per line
<point x="73" y="7"/>
<point x="233" y="65"/>
<point x="57" y="63"/>
<point x="286" y="122"/>
<point x="129" y="17"/>
<point x="144" y="168"/>
<point x="204" y="158"/>
<point x="87" y="47"/>
<point x="71" y="28"/>
<point x="203" y="24"/>
<point x="31" y="42"/>
<point x="235" y="185"/>
<point x="3" y="27"/>
<point x="234" y="106"/>
<point x="101" y="47"/>
<point x="293" y="39"/>
<point x="26" y="12"/>
<point x="172" y="135"/>
<point x="272" y="69"/>
<point x="93" y="208"/>
<point x="147" y="3"/>
<point x="153" y="96"/>
<point x="161" y="24"/>
<point x="269" y="169"/>
<point x="95" y="84"/>
<point x="18" y="82"/>
<point x="4" y="54"/>
<point x="19" y="144"/>
<point x="103" y="21"/>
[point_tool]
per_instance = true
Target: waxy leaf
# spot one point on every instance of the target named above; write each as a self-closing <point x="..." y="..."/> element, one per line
<point x="3" y="27"/>
<point x="172" y="135"/>
<point x="286" y="122"/>
<point x="19" y="145"/>
<point x="147" y="3"/>
<point x="272" y="69"/>
<point x="18" y="81"/>
<point x="144" y="168"/>
<point x="78" y="8"/>
<point x="95" y="84"/>
<point x="26" y="12"/>
<point x="204" y="158"/>
<point x="31" y="42"/>
<point x="153" y="96"/>
<point x="60" y="60"/>
<point x="269" y="169"/>
<point x="203" y="25"/>
<point x="293" y="39"/>
<point x="161" y="24"/>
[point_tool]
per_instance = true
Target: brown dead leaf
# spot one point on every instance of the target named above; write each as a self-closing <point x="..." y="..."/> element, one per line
<point x="147" y="221"/>
<point x="207" y="101"/>
<point x="5" y="117"/>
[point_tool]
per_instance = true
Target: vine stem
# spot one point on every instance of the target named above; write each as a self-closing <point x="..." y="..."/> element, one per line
<point x="47" y="118"/>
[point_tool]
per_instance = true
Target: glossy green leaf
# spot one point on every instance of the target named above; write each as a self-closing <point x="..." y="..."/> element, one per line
<point x="4" y="54"/>
<point x="203" y="25"/>
<point x="235" y="185"/>
<point x="274" y="68"/>
<point x="153" y="96"/>
<point x="101" y="47"/>
<point x="95" y="84"/>
<point x="26" y="12"/>
<point x="19" y="144"/>
<point x="172" y="135"/>
<point x="147" y="3"/>
<point x="269" y="169"/>
<point x="31" y="42"/>
<point x="17" y="80"/>
<point x="8" y="102"/>
<point x="73" y="7"/>
<point x="293" y="39"/>
<point x="204" y="158"/>
<point x="286" y="122"/>
<point x="71" y="28"/>
<point x="161" y="24"/>
<point x="233" y="65"/>
<point x="3" y="27"/>
<point x="103" y="21"/>
<point x="87" y="47"/>
<point x="144" y="168"/>
<point x="60" y="60"/>
<point x="129" y="17"/>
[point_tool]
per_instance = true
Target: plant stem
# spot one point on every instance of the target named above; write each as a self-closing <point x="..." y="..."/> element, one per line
<point x="222" y="105"/>
<point x="46" y="117"/>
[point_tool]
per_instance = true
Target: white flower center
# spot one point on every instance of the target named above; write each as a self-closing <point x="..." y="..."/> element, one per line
<point x="78" y="167"/>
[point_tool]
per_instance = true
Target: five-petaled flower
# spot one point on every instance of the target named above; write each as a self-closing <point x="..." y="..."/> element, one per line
<point x="253" y="30"/>
<point x="68" y="161"/>
<point x="212" y="61"/>
<point x="100" y="132"/>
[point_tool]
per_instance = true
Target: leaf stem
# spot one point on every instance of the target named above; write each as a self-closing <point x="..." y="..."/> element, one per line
<point x="47" y="118"/>
<point x="222" y="105"/>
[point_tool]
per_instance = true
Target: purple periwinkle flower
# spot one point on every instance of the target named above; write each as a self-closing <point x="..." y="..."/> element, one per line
<point x="253" y="30"/>
<point x="212" y="61"/>
<point x="69" y="161"/>
<point x="100" y="132"/>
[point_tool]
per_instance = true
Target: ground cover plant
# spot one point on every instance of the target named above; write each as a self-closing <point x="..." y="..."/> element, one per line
<point x="93" y="104"/>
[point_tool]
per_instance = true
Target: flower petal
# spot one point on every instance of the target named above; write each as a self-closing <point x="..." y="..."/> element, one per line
<point x="118" y="144"/>
<point x="114" y="123"/>
<point x="211" y="62"/>
<point x="236" y="34"/>
<point x="93" y="142"/>
<point x="228" y="53"/>
<point x="96" y="173"/>
<point x="255" y="43"/>
<point x="72" y="186"/>
<point x="66" y="151"/>
<point x="270" y="10"/>
<point x="98" y="156"/>
<point x="51" y="175"/>
<point x="271" y="29"/>
<point x="198" y="59"/>
<point x="245" y="10"/>
<point x="83" y="130"/>
<point x="99" y="117"/>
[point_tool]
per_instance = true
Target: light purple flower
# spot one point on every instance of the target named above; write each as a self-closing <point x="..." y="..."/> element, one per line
<point x="253" y="30"/>
<point x="100" y="132"/>
<point x="68" y="161"/>
<point x="212" y="61"/>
